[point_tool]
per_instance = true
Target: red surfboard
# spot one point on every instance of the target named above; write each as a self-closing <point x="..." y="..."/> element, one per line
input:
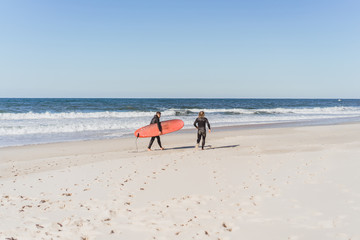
<point x="152" y="130"/>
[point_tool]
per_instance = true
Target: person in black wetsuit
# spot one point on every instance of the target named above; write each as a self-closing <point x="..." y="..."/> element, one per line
<point x="156" y="119"/>
<point x="200" y="123"/>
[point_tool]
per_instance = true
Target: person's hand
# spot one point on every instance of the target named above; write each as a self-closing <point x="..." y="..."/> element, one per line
<point x="209" y="130"/>
<point x="160" y="133"/>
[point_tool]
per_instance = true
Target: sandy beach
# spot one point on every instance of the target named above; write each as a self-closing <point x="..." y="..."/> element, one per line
<point x="273" y="183"/>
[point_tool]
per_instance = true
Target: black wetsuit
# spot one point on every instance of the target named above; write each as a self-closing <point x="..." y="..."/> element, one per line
<point x="201" y="126"/>
<point x="155" y="119"/>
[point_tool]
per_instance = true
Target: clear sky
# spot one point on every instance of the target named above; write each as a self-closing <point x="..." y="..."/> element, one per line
<point x="197" y="48"/>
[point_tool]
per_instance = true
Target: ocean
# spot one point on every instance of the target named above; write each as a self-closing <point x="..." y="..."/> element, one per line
<point x="32" y="121"/>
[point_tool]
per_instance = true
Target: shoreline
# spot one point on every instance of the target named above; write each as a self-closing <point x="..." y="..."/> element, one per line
<point x="300" y="123"/>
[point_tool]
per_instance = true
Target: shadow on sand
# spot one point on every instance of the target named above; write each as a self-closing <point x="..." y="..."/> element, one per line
<point x="228" y="146"/>
<point x="208" y="147"/>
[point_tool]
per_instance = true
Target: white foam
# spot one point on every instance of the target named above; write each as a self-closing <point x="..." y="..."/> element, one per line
<point x="316" y="110"/>
<point x="72" y="115"/>
<point x="174" y="112"/>
<point x="120" y="123"/>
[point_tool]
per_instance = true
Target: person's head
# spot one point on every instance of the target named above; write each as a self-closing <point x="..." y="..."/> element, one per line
<point x="201" y="114"/>
<point x="158" y="114"/>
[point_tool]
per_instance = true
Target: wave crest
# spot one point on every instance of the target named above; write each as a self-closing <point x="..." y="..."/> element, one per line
<point x="178" y="112"/>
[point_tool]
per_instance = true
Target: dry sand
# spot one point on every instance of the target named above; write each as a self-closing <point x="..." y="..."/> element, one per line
<point x="279" y="183"/>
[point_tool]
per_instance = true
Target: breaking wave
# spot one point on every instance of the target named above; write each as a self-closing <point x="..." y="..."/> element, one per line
<point x="181" y="112"/>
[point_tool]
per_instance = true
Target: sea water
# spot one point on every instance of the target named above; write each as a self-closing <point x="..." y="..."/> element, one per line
<point x="32" y="121"/>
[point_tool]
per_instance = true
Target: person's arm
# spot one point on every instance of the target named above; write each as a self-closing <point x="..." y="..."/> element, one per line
<point x="196" y="120"/>
<point x="158" y="124"/>
<point x="208" y="124"/>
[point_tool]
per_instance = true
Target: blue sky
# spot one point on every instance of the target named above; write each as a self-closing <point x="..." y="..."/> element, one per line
<point x="240" y="49"/>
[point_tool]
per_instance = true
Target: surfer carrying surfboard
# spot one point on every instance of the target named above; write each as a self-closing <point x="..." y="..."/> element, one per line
<point x="200" y="123"/>
<point x="156" y="119"/>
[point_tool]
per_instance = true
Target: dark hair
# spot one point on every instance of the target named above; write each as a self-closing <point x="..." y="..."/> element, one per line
<point x="158" y="113"/>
